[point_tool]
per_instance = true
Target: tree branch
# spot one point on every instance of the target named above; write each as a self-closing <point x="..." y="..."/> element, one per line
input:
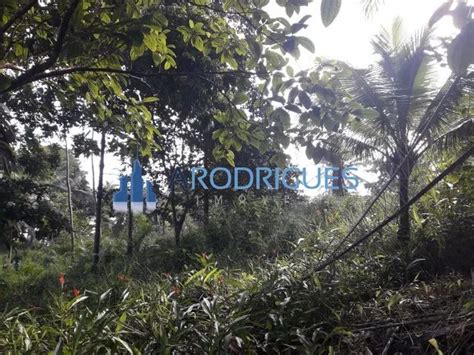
<point x="60" y="72"/>
<point x="15" y="17"/>
<point x="56" y="50"/>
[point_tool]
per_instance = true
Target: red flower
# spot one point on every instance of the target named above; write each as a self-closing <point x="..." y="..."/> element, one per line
<point x="75" y="292"/>
<point x="61" y="279"/>
<point x="176" y="290"/>
<point x="122" y="278"/>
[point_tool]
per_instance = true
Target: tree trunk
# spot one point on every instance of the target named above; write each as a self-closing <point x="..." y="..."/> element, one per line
<point x="69" y="195"/>
<point x="338" y="182"/>
<point x="10" y="249"/>
<point x="177" y="231"/>
<point x="130" y="227"/>
<point x="178" y="227"/>
<point x="338" y="177"/>
<point x="93" y="175"/>
<point x="208" y="145"/>
<point x="98" y="211"/>
<point x="403" y="233"/>
<point x="206" y="208"/>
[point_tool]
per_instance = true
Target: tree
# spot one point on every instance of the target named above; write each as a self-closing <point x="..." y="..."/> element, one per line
<point x="100" y="196"/>
<point x="84" y="53"/>
<point x="69" y="193"/>
<point x="87" y="45"/>
<point x="396" y="112"/>
<point x="36" y="191"/>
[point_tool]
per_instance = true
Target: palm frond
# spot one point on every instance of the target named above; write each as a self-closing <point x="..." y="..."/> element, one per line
<point x="412" y="79"/>
<point x="373" y="135"/>
<point x="461" y="132"/>
<point x="372" y="89"/>
<point x="371" y="6"/>
<point x="442" y="108"/>
<point x="356" y="146"/>
<point x="410" y="57"/>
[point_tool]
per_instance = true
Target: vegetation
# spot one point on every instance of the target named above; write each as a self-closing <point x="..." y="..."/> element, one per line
<point x="183" y="84"/>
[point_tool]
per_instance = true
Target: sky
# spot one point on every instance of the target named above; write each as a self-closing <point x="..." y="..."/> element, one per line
<point x="347" y="39"/>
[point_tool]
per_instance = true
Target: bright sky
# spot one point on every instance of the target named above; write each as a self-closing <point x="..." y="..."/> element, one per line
<point x="347" y="39"/>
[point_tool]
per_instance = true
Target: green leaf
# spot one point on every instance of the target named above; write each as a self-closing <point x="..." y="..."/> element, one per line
<point x="150" y="99"/>
<point x="5" y="82"/>
<point x="279" y="159"/>
<point x="317" y="154"/>
<point x="124" y="344"/>
<point x="394" y="300"/>
<point x="240" y="98"/>
<point x="217" y="133"/>
<point x="76" y="301"/>
<point x="274" y="59"/>
<point x="115" y="87"/>
<point x="292" y="95"/>
<point x="468" y="306"/>
<point x="305" y="100"/>
<point x="94" y="89"/>
<point x="197" y="43"/>
<point x="293" y="108"/>
<point x="105" y="294"/>
<point x="150" y="42"/>
<point x="121" y="322"/>
<point x="306" y="43"/>
<point x="137" y="51"/>
<point x="435" y="345"/>
<point x="329" y="11"/>
<point x="255" y="47"/>
<point x="281" y="116"/>
<point x="230" y="157"/>
<point x="290" y="71"/>
<point x="104" y="16"/>
<point x="416" y="217"/>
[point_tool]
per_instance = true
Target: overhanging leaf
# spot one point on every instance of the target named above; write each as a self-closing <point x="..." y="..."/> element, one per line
<point x="306" y="43"/>
<point x="329" y="11"/>
<point x="461" y="50"/>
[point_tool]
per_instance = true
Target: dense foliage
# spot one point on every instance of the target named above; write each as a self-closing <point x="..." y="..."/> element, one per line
<point x="187" y="83"/>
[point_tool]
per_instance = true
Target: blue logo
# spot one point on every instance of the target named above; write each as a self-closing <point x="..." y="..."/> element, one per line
<point x="138" y="203"/>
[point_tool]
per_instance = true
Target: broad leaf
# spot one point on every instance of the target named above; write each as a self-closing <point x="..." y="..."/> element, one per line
<point x="329" y="11"/>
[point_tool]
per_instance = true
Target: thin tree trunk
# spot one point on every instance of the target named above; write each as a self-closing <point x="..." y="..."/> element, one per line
<point x="10" y="249"/>
<point x="206" y="208"/>
<point x="403" y="233"/>
<point x="207" y="162"/>
<point x="100" y="195"/>
<point x="69" y="195"/>
<point x="93" y="175"/>
<point x="338" y="182"/>
<point x="178" y="221"/>
<point x="130" y="227"/>
<point x="177" y="231"/>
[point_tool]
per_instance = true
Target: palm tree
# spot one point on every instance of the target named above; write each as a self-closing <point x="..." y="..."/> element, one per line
<point x="411" y="114"/>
